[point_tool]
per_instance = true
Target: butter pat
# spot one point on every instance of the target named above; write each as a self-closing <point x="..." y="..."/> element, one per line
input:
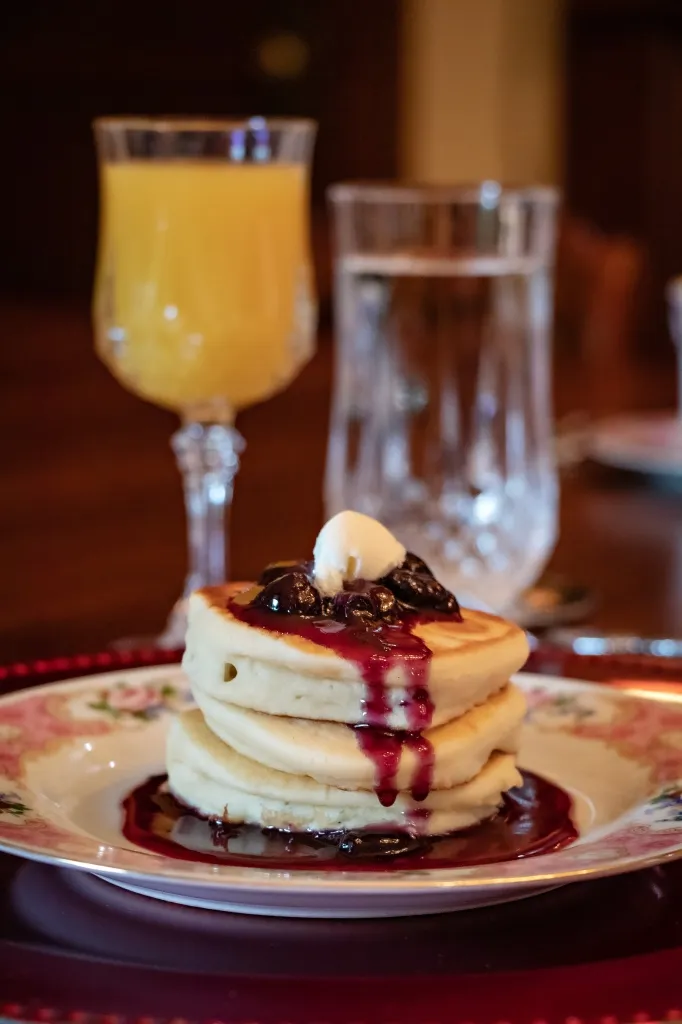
<point x="352" y="546"/>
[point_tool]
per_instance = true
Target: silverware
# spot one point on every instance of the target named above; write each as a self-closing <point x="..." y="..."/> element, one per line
<point x="593" y="642"/>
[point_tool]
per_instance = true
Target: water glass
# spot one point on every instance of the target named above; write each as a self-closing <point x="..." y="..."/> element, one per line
<point x="441" y="423"/>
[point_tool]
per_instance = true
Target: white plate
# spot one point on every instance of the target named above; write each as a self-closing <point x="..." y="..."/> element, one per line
<point x="70" y="751"/>
<point x="641" y="444"/>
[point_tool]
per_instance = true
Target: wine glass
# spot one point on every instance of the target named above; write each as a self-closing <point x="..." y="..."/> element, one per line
<point x="204" y="300"/>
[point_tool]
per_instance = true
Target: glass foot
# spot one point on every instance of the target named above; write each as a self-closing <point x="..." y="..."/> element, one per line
<point x="208" y="457"/>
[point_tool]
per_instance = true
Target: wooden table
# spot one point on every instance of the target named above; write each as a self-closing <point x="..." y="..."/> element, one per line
<point x="91" y="520"/>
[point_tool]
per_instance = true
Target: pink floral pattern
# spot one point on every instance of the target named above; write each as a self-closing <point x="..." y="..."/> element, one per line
<point x="11" y="803"/>
<point x="141" y="702"/>
<point x="649" y="732"/>
<point x="39" y="834"/>
<point x="34" y="723"/>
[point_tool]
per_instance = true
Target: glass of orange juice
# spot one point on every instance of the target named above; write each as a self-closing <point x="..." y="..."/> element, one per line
<point x="204" y="300"/>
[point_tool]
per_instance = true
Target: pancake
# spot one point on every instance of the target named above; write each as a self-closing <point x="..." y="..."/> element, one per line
<point x="330" y="754"/>
<point x="216" y="780"/>
<point x="287" y="675"/>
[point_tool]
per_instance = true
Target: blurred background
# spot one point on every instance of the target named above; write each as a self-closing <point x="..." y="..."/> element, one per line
<point x="586" y="94"/>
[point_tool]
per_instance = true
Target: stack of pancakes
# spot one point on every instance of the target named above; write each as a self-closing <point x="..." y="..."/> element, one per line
<point x="270" y="742"/>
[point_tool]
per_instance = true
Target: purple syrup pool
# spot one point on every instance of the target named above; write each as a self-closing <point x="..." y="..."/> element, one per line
<point x="535" y="818"/>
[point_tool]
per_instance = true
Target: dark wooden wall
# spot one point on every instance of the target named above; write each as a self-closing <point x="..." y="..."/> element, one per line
<point x="624" y="135"/>
<point x="63" y="63"/>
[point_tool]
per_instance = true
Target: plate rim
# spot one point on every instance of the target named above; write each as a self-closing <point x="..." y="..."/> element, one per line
<point x="254" y="881"/>
<point x="604" y="447"/>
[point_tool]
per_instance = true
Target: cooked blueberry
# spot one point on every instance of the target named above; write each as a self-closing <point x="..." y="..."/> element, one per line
<point x="418" y="590"/>
<point x="276" y="570"/>
<point x="375" y="845"/>
<point x="364" y="601"/>
<point x="291" y="594"/>
<point x="413" y="563"/>
<point x="384" y="601"/>
<point x="350" y="605"/>
<point x="448" y="604"/>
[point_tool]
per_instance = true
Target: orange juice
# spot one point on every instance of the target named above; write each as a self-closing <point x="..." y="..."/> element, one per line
<point x="203" y="285"/>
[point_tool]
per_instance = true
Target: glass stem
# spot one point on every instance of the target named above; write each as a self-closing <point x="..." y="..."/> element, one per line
<point x="208" y="458"/>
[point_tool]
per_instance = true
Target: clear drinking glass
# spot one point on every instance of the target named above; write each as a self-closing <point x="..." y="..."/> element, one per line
<point x="204" y="300"/>
<point x="441" y="422"/>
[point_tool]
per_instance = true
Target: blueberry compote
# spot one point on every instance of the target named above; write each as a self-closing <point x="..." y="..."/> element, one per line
<point x="534" y="819"/>
<point x="371" y="624"/>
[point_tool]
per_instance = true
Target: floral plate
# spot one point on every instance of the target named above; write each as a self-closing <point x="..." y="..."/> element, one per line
<point x="70" y="751"/>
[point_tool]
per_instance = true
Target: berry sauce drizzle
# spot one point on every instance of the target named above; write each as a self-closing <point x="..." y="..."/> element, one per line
<point x="375" y="647"/>
<point x="384" y="747"/>
<point x="534" y="819"/>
